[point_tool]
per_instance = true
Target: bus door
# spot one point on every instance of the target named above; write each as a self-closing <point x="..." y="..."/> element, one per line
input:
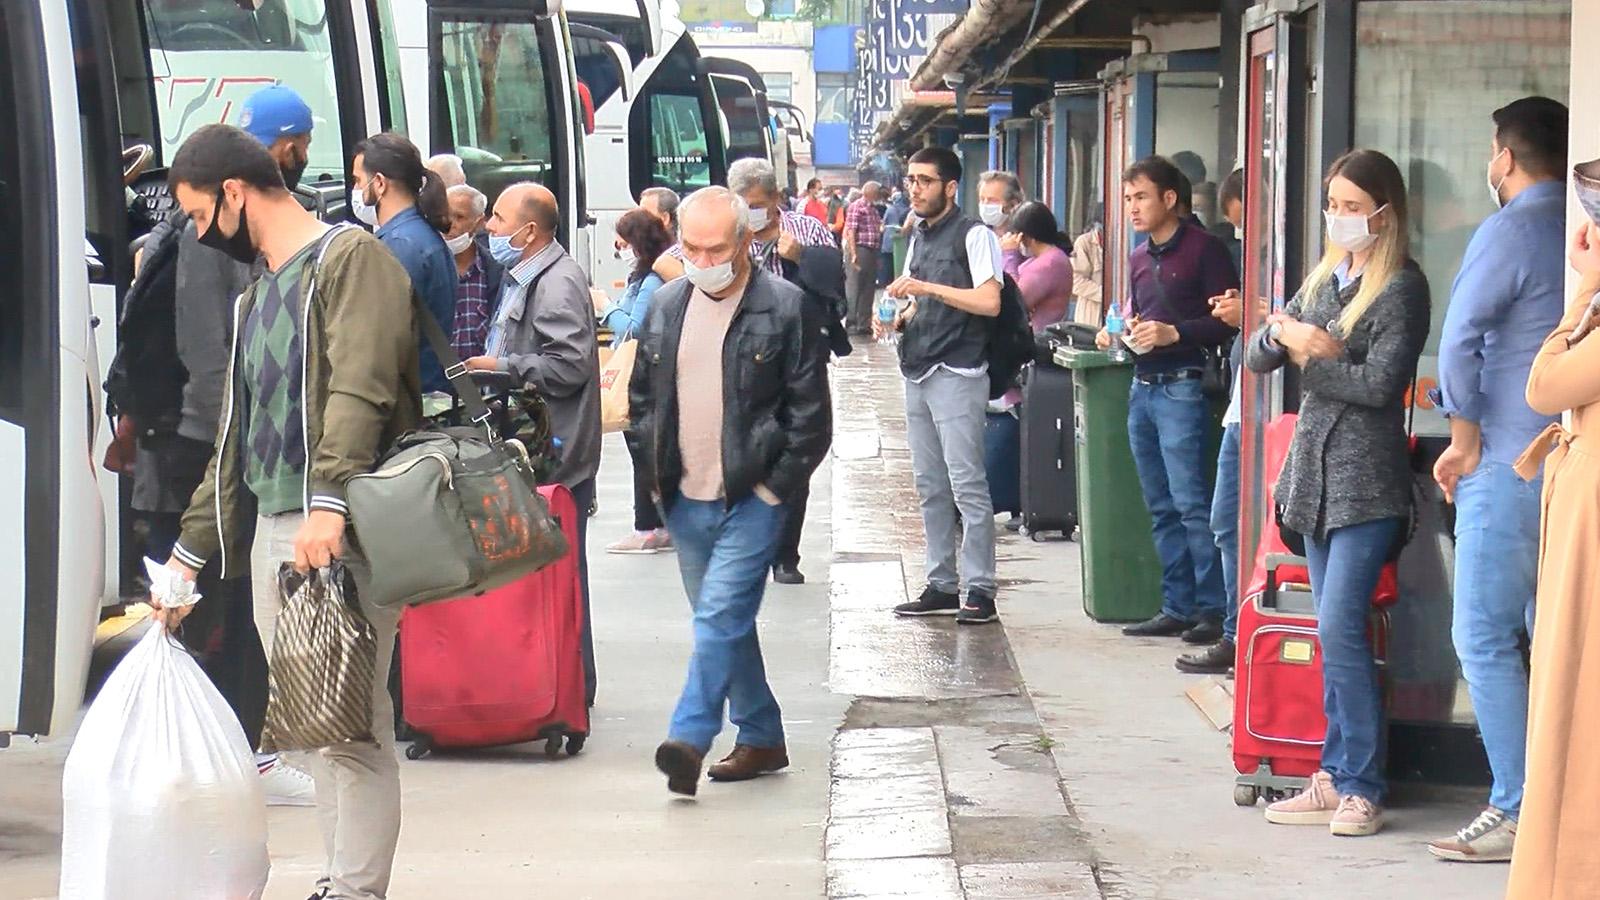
<point x="51" y="571"/>
<point x="502" y="96"/>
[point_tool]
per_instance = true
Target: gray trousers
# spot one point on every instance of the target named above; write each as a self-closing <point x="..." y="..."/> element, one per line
<point x="944" y="426"/>
<point x="358" y="784"/>
<point x="861" y="287"/>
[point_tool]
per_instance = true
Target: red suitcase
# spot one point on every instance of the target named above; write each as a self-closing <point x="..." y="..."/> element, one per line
<point x="502" y="667"/>
<point x="1278" y="719"/>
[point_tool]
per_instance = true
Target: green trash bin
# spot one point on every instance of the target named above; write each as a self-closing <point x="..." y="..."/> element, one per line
<point x="1121" y="572"/>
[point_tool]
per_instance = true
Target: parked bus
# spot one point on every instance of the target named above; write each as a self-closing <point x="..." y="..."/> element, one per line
<point x="658" y="135"/>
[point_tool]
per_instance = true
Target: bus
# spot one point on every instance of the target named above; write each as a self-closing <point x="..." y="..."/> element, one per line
<point x="658" y="135"/>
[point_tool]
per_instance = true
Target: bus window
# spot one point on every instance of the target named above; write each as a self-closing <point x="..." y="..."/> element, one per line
<point x="678" y="139"/>
<point x="207" y="56"/>
<point x="392" y="97"/>
<point x="745" y="127"/>
<point x="597" y="69"/>
<point x="497" y="106"/>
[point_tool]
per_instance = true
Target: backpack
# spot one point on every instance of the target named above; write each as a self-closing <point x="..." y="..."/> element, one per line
<point x="146" y="379"/>
<point x="1011" y="344"/>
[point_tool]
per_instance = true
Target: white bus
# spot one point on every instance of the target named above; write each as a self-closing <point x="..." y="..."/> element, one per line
<point x="657" y="136"/>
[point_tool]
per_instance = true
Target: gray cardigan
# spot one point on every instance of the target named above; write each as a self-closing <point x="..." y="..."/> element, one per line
<point x="1350" y="460"/>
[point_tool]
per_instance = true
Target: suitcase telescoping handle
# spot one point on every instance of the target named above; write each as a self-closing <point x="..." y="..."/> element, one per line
<point x="1269" y="597"/>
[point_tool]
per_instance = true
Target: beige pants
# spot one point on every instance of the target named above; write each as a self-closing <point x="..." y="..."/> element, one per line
<point x="358" y="784"/>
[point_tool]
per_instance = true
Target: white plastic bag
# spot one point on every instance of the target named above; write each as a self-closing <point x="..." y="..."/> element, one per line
<point x="162" y="800"/>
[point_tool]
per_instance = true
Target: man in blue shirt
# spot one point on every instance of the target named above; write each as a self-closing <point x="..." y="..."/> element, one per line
<point x="1507" y="297"/>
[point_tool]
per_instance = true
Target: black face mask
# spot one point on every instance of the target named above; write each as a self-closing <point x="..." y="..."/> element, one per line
<point x="292" y="174"/>
<point x="236" y="245"/>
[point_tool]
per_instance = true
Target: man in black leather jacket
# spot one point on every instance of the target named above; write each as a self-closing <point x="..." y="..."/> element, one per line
<point x="731" y="415"/>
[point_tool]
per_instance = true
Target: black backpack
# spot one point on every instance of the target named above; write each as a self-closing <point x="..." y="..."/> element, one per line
<point x="146" y="378"/>
<point x="1011" y="344"/>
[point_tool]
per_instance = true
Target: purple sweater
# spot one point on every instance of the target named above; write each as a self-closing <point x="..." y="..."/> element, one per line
<point x="1046" y="285"/>
<point x="1193" y="266"/>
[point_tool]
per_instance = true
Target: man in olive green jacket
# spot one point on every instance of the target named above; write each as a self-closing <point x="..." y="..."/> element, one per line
<point x="322" y="377"/>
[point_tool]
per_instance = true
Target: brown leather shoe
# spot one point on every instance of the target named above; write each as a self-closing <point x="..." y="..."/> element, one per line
<point x="681" y="764"/>
<point x="747" y="762"/>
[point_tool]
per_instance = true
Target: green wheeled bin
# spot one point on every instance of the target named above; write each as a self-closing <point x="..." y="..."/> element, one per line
<point x="1121" y="572"/>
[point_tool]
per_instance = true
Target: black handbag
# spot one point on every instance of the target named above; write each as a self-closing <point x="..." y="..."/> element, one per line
<point x="1216" y="369"/>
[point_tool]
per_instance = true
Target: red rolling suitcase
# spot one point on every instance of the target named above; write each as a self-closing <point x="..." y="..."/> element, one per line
<point x="1278" y="719"/>
<point x="502" y="667"/>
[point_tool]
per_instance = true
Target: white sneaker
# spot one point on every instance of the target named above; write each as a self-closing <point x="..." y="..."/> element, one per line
<point x="287" y="786"/>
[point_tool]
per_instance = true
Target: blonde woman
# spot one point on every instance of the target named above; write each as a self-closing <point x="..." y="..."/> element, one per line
<point x="1555" y="856"/>
<point x="1355" y="330"/>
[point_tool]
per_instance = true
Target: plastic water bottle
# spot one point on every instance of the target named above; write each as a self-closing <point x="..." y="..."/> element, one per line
<point x="886" y="312"/>
<point x="1118" y="350"/>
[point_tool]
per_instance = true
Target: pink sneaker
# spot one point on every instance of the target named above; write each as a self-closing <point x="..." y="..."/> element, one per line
<point x="659" y="541"/>
<point x="635" y="542"/>
<point x="1313" y="806"/>
<point x="1356" y="817"/>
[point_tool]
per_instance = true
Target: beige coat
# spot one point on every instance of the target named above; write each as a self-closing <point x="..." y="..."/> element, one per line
<point x="1088" y="263"/>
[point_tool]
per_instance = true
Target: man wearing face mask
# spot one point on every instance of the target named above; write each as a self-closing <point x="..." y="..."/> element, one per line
<point x="863" y="233"/>
<point x="544" y="335"/>
<point x="999" y="194"/>
<point x="168" y="470"/>
<point x="322" y="377"/>
<point x="478" y="275"/>
<point x="726" y="438"/>
<point x="1507" y="297"/>
<point x="801" y="251"/>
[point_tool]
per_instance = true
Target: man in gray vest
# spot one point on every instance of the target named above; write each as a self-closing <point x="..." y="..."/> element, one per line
<point x="952" y="289"/>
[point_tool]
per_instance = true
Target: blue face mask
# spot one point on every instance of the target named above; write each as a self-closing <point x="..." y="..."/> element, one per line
<point x="501" y="249"/>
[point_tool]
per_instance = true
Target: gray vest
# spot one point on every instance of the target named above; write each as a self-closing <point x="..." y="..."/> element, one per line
<point x="940" y="333"/>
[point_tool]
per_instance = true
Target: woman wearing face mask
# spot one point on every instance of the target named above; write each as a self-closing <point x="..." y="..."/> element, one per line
<point x="405" y="202"/>
<point x="1355" y="330"/>
<point x="1040" y="265"/>
<point x="641" y="238"/>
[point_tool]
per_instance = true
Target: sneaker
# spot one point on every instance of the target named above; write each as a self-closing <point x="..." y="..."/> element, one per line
<point x="1313" y="806"/>
<point x="637" y="542"/>
<point x="933" y="602"/>
<point x="978" y="609"/>
<point x="660" y="541"/>
<point x="1162" y="625"/>
<point x="1488" y="838"/>
<point x="285" y="785"/>
<point x="1013" y="524"/>
<point x="1214" y="660"/>
<point x="1356" y="817"/>
<point x="1206" y="631"/>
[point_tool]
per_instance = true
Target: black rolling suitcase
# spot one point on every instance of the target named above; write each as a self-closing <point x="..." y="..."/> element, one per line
<point x="1049" y="477"/>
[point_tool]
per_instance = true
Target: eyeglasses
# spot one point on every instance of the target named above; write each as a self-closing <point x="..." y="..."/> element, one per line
<point x="913" y="182"/>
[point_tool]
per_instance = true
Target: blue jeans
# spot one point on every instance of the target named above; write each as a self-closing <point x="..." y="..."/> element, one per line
<point x="1497" y="568"/>
<point x="1345" y="565"/>
<point x="1225" y="526"/>
<point x="1167" y="433"/>
<point x="724" y="555"/>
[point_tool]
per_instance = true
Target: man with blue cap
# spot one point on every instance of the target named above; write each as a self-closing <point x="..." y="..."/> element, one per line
<point x="173" y="453"/>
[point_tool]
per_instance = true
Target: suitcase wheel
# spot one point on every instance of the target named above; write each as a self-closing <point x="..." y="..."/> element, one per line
<point x="420" y="748"/>
<point x="1245" y="794"/>
<point x="552" y="747"/>
<point x="575" y="743"/>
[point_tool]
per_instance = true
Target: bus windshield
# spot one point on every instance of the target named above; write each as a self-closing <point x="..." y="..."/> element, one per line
<point x="676" y="154"/>
<point x="497" y="106"/>
<point x="207" y="56"/>
<point x="746" y="130"/>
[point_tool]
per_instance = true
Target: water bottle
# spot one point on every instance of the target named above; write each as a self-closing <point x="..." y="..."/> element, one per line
<point x="1118" y="350"/>
<point x="886" y="311"/>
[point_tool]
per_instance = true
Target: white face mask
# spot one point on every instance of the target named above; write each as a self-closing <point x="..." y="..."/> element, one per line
<point x="759" y="218"/>
<point x="459" y="243"/>
<point x="992" y="214"/>
<point x="1351" y="233"/>
<point x="626" y="254"/>
<point x="711" y="279"/>
<point x="365" y="213"/>
<point x="1027" y="252"/>
<point x="1495" y="186"/>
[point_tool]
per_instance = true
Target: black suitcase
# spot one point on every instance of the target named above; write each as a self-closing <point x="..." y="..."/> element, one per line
<point x="1049" y="476"/>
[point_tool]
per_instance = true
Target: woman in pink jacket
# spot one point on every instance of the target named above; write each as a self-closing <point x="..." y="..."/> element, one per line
<point x="1036" y="256"/>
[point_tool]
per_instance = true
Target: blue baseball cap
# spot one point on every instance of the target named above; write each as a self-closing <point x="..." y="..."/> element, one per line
<point x="275" y="112"/>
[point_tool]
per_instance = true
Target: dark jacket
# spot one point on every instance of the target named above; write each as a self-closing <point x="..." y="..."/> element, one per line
<point x="1350" y="459"/>
<point x="1174" y="283"/>
<point x="361" y="392"/>
<point x="209" y="283"/>
<point x="940" y="333"/>
<point x="777" y="416"/>
<point x="820" y="274"/>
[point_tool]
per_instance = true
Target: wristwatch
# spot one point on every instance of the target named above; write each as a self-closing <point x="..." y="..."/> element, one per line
<point x="1274" y="332"/>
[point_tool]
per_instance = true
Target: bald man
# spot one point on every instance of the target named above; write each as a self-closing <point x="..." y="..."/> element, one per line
<point x="543" y="335"/>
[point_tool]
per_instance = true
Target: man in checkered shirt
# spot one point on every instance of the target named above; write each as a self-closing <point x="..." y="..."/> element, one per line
<point x="802" y="250"/>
